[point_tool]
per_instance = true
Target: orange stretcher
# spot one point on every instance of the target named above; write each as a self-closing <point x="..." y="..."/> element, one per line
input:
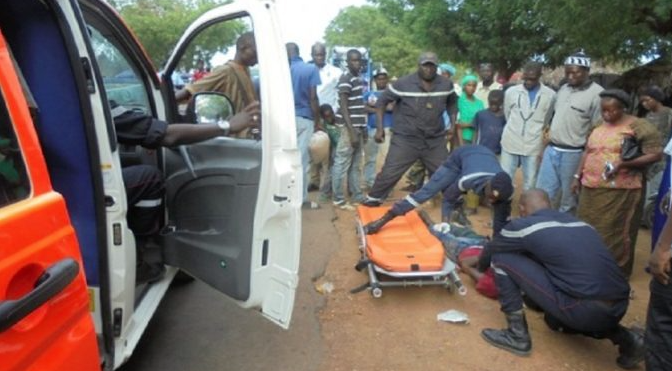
<point x="405" y="252"/>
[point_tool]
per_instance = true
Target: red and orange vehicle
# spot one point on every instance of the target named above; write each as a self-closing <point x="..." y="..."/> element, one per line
<point x="68" y="294"/>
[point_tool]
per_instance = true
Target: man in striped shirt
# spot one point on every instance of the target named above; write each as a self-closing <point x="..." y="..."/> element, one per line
<point x="352" y="116"/>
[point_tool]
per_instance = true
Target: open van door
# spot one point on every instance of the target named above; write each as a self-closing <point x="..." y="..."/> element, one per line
<point x="44" y="304"/>
<point x="234" y="204"/>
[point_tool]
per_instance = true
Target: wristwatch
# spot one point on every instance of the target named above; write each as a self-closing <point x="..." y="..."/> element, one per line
<point x="224" y="125"/>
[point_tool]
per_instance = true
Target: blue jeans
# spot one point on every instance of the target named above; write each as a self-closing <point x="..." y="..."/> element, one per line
<point x="557" y="173"/>
<point x="348" y="160"/>
<point x="370" y="157"/>
<point x="510" y="163"/>
<point x="304" y="130"/>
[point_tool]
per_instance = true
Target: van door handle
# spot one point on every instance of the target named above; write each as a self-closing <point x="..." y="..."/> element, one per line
<point x="184" y="151"/>
<point x="54" y="280"/>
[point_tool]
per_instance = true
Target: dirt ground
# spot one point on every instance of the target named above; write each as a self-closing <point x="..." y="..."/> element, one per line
<point x="399" y="331"/>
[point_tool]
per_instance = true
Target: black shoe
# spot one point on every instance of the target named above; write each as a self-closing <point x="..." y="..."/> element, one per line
<point x="149" y="273"/>
<point x="631" y="348"/>
<point x="370" y="202"/>
<point x="514" y="339"/>
<point x="313" y="188"/>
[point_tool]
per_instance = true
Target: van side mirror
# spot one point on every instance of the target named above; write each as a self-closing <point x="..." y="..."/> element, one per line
<point x="209" y="107"/>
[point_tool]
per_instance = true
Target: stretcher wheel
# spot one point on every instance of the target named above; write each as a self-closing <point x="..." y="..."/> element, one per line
<point x="376" y="292"/>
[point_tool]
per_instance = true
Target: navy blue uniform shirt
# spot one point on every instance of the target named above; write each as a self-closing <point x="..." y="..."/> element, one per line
<point x="576" y="259"/>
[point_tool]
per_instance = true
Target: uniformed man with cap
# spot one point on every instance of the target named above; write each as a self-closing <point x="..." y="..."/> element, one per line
<point x="419" y="131"/>
<point x="576" y="109"/>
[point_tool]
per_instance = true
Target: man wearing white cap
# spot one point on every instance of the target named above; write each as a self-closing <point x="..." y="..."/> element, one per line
<point x="576" y="110"/>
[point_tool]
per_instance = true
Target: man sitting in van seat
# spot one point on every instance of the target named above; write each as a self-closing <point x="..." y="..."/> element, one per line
<point x="144" y="183"/>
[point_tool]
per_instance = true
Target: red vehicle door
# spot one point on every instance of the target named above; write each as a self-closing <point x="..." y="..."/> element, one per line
<point x="45" y="322"/>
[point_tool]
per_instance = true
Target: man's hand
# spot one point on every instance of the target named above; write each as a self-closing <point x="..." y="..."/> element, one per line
<point x="379" y="137"/>
<point x="576" y="186"/>
<point x="249" y="117"/>
<point x="659" y="262"/>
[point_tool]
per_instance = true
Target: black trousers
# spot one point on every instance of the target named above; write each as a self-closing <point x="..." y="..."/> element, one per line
<point x="658" y="336"/>
<point x="403" y="152"/>
<point x="144" y="194"/>
<point x="517" y="273"/>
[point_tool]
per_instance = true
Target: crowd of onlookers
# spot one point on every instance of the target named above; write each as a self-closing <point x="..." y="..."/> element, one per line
<point x="587" y="166"/>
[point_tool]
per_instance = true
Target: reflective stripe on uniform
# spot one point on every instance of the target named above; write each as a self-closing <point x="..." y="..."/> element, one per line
<point x="498" y="270"/>
<point x="540" y="226"/>
<point x="411" y="201"/>
<point x="148" y="203"/>
<point x="471" y="176"/>
<point x="419" y="94"/>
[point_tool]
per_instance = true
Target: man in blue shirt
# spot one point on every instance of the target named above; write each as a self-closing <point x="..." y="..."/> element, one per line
<point x="305" y="79"/>
<point x="561" y="264"/>
<point x="372" y="148"/>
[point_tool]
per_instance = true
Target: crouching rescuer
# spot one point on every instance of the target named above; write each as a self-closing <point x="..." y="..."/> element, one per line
<point x="472" y="167"/>
<point x="561" y="265"/>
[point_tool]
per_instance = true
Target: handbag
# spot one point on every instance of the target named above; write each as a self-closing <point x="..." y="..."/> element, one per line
<point x="630" y="148"/>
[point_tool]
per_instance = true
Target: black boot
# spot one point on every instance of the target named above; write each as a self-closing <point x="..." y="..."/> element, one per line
<point x="375" y="225"/>
<point x="515" y="339"/>
<point x="631" y="349"/>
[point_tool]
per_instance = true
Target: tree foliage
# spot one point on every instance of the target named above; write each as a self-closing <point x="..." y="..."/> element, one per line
<point x="508" y="33"/>
<point x="611" y="30"/>
<point x="367" y="26"/>
<point x="160" y="23"/>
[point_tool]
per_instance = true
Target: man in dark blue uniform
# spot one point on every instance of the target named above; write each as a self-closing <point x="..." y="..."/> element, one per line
<point x="144" y="183"/>
<point x="419" y="131"/>
<point x="473" y="168"/>
<point x="659" y="316"/>
<point x="561" y="264"/>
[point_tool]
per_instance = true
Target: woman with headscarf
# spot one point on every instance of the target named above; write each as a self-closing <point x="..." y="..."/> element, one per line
<point x="609" y="179"/>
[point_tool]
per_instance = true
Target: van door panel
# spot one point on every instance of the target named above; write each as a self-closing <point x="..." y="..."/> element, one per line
<point x="212" y="215"/>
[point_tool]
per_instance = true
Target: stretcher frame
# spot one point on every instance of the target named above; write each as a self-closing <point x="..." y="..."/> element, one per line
<point x="446" y="277"/>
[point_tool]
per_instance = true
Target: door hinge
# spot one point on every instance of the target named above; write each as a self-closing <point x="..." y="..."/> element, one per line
<point x="117" y="316"/>
<point x="88" y="74"/>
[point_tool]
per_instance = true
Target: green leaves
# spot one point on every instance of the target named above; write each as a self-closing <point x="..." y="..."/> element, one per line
<point x="509" y="33"/>
<point x="160" y="23"/>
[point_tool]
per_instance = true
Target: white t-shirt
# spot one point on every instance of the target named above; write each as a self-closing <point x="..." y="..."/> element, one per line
<point x="327" y="92"/>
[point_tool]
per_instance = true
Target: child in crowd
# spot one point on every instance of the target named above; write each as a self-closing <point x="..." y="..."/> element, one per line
<point x="467" y="105"/>
<point x="334" y="132"/>
<point x="489" y="123"/>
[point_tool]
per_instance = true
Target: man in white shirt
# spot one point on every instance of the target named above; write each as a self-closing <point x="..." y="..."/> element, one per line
<point x="327" y="92"/>
<point x="487" y="74"/>
<point x="527" y="108"/>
